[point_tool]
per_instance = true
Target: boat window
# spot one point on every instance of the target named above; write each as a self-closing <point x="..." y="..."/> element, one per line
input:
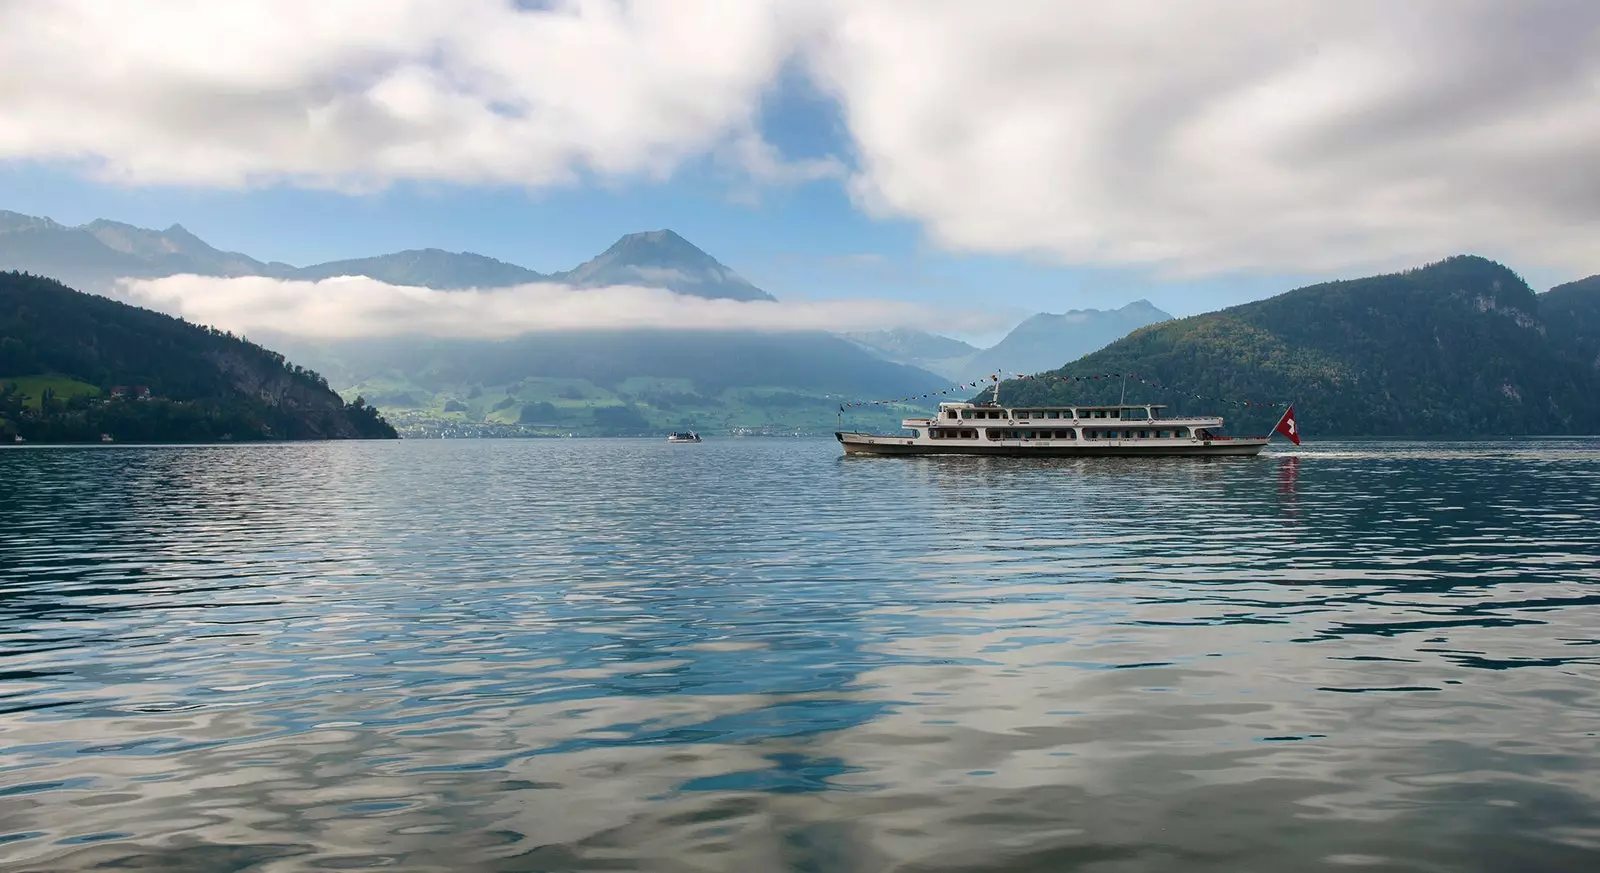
<point x="950" y="413"/>
<point x="1052" y="414"/>
<point x="1116" y="413"/>
<point x="1099" y="413"/>
<point x="1163" y="434"/>
<point x="1023" y="413"/>
<point x="1181" y="433"/>
<point x="1063" y="434"/>
<point x="969" y="434"/>
<point x="966" y="413"/>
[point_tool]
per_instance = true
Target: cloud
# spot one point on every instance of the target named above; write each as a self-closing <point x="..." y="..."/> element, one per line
<point x="1197" y="138"/>
<point x="356" y="306"/>
<point x="1233" y="135"/>
<point x="357" y="93"/>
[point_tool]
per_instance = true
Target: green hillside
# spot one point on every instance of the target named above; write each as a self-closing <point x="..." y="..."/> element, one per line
<point x="1458" y="348"/>
<point x="74" y="366"/>
<point x="1572" y="312"/>
<point x="615" y="383"/>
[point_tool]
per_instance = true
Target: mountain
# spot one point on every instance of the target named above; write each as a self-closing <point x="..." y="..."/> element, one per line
<point x="662" y="259"/>
<point x="1572" y="312"/>
<point x="1041" y="342"/>
<point x="174" y="249"/>
<point x="1047" y="340"/>
<point x="614" y="383"/>
<point x="64" y="355"/>
<point x="598" y="382"/>
<point x="938" y="354"/>
<point x="42" y="245"/>
<point x="427" y="268"/>
<point x="1458" y="348"/>
<point x="94" y="255"/>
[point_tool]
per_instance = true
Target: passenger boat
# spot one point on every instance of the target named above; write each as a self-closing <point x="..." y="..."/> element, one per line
<point x="687" y="436"/>
<point x="988" y="428"/>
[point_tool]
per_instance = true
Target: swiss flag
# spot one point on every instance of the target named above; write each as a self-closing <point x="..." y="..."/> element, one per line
<point x="1287" y="426"/>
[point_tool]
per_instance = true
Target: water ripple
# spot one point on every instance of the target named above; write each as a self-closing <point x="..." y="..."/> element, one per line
<point x="758" y="655"/>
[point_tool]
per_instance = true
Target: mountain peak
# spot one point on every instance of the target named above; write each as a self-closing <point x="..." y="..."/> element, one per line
<point x="1047" y="340"/>
<point x="427" y="268"/>
<point x="17" y="221"/>
<point x="664" y="259"/>
<point x="664" y="236"/>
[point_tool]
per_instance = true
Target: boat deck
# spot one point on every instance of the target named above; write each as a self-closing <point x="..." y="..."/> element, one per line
<point x="875" y="444"/>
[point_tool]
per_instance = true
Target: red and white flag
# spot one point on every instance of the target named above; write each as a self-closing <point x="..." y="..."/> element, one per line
<point x="1287" y="426"/>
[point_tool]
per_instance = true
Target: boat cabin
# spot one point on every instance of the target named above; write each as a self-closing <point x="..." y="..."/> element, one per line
<point x="987" y="421"/>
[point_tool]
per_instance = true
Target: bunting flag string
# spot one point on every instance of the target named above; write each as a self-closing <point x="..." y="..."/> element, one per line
<point x="964" y="386"/>
<point x="1052" y="378"/>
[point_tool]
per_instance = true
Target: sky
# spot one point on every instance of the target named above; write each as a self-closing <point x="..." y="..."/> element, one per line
<point x="1036" y="155"/>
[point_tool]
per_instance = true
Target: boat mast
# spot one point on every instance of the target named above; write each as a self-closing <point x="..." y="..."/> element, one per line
<point x="997" y="388"/>
<point x="1124" y="398"/>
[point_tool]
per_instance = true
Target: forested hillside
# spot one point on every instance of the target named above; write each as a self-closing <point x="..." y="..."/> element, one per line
<point x="74" y="367"/>
<point x="1456" y="348"/>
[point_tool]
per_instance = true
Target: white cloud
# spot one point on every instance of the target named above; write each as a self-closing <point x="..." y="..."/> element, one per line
<point x="356" y="306"/>
<point x="1192" y="137"/>
<point x="356" y="93"/>
<point x="1239" y="134"/>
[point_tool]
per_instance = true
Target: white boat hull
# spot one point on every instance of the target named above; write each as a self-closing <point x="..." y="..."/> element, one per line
<point x="875" y="444"/>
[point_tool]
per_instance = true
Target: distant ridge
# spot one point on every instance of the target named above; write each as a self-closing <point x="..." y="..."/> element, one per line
<point x="427" y="268"/>
<point x="94" y="255"/>
<point x="1041" y="342"/>
<point x="1048" y="340"/>
<point x="662" y="259"/>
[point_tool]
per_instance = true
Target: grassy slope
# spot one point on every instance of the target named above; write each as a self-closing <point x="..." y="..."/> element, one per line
<point x="33" y="388"/>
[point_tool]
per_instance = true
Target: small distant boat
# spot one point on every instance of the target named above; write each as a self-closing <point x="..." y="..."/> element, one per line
<point x="687" y="436"/>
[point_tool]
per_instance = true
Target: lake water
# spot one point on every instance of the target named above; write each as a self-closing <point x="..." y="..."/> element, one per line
<point x="757" y="655"/>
